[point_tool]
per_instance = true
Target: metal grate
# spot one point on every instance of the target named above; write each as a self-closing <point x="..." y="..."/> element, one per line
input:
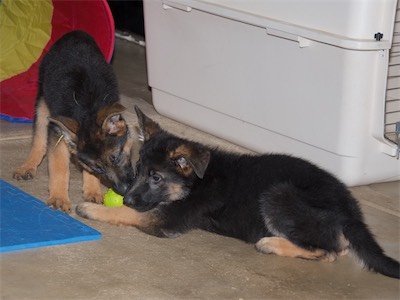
<point x="392" y="109"/>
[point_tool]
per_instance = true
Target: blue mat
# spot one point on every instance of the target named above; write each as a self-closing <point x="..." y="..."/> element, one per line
<point x="26" y="222"/>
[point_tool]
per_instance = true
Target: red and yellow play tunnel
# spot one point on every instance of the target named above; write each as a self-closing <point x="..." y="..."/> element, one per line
<point x="28" y="29"/>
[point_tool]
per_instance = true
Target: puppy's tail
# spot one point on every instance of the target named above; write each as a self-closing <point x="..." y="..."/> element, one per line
<point x="367" y="249"/>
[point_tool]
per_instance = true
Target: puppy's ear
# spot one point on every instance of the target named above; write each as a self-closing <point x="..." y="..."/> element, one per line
<point x="111" y="121"/>
<point x="147" y="126"/>
<point x="191" y="158"/>
<point x="68" y="128"/>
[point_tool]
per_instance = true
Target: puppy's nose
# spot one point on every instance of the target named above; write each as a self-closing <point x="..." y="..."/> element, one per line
<point x="121" y="188"/>
<point x="129" y="199"/>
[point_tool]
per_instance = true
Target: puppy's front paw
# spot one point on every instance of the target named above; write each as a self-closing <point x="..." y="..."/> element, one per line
<point x="93" y="196"/>
<point x="60" y="203"/>
<point x="89" y="210"/>
<point x="24" y="173"/>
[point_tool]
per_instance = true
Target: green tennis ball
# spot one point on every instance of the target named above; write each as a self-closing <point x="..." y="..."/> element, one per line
<point x="112" y="199"/>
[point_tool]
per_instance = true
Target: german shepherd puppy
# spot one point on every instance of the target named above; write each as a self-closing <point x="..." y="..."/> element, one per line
<point x="283" y="204"/>
<point x="78" y="112"/>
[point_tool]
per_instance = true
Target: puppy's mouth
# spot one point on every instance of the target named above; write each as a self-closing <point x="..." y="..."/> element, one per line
<point x="121" y="189"/>
<point x="138" y="204"/>
<point x="123" y="185"/>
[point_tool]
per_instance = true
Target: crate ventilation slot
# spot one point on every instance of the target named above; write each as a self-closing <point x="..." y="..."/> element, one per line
<point x="392" y="109"/>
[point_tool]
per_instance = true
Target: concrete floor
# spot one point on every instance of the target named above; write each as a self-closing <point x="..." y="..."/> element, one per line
<point x="128" y="264"/>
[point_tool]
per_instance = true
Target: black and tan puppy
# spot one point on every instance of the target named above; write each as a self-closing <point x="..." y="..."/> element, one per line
<point x="284" y="205"/>
<point x="78" y="112"/>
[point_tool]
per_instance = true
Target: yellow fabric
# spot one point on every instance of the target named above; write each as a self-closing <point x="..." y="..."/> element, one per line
<point x="25" y="29"/>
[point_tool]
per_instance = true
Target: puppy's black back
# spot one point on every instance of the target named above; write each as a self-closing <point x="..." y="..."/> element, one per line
<point x="242" y="191"/>
<point x="75" y="79"/>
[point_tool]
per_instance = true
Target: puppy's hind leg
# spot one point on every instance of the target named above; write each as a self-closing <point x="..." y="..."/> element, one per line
<point x="39" y="143"/>
<point x="283" y="247"/>
<point x="59" y="159"/>
<point x="92" y="188"/>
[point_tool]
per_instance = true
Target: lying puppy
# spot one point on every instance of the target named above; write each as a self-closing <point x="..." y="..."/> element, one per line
<point x="78" y="112"/>
<point x="284" y="205"/>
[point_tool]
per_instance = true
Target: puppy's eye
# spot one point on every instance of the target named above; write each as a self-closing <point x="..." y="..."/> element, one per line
<point x="98" y="169"/>
<point x="115" y="158"/>
<point x="155" y="178"/>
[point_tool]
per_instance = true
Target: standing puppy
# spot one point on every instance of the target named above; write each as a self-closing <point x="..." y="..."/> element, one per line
<point x="285" y="205"/>
<point x="78" y="112"/>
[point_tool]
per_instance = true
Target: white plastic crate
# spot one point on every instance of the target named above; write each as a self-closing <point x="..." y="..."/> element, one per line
<point x="306" y="78"/>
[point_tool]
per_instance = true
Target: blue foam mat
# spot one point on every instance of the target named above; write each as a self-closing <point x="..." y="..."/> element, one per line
<point x="26" y="222"/>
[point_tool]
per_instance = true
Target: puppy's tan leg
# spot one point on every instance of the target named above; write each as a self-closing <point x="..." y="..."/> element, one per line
<point x="39" y="144"/>
<point x="283" y="247"/>
<point x="59" y="159"/>
<point x="121" y="215"/>
<point x="92" y="188"/>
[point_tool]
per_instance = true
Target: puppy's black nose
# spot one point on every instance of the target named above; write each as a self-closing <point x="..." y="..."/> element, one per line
<point x="121" y="188"/>
<point x="129" y="200"/>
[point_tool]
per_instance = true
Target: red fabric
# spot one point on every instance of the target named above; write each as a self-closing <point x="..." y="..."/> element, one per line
<point x="18" y="93"/>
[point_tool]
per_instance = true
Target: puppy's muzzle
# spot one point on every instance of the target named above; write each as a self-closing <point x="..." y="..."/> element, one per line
<point x="121" y="188"/>
<point x="123" y="185"/>
<point x="136" y="202"/>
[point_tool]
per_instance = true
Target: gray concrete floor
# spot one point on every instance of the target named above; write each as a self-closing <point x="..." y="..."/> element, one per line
<point x="128" y="264"/>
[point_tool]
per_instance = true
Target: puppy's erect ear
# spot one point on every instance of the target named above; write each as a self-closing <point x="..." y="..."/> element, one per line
<point x="68" y="128"/>
<point x="147" y="126"/>
<point x="191" y="158"/>
<point x="110" y="119"/>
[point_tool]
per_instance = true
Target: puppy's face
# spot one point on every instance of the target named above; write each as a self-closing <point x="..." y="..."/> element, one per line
<point x="102" y="147"/>
<point x="167" y="168"/>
